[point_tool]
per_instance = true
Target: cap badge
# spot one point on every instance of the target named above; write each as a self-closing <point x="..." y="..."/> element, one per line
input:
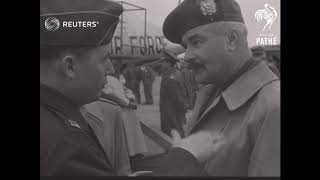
<point x="208" y="7"/>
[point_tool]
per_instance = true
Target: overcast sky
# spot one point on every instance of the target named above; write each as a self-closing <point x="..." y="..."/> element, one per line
<point x="158" y="10"/>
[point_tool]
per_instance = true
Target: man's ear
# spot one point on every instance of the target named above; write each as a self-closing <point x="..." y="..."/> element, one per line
<point x="69" y="66"/>
<point x="233" y="40"/>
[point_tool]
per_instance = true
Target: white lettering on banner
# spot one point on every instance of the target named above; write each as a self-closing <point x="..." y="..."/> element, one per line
<point x="80" y="24"/>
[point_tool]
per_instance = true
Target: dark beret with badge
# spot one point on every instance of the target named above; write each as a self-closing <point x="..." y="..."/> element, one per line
<point x="193" y="13"/>
<point x="78" y="23"/>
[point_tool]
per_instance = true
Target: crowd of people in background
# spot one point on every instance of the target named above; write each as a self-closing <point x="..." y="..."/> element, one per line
<point x="177" y="89"/>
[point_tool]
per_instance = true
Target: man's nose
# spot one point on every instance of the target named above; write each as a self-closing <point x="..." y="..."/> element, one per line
<point x="189" y="56"/>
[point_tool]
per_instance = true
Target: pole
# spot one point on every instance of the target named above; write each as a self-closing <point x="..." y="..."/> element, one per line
<point x="121" y="28"/>
<point x="145" y="30"/>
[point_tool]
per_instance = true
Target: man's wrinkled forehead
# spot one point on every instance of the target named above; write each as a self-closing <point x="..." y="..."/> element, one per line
<point x="206" y="29"/>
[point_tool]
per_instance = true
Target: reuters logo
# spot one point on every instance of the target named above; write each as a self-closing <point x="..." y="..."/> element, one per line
<point x="52" y="23"/>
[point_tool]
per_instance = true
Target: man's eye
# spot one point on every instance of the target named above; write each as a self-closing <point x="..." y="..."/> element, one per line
<point x="196" y="43"/>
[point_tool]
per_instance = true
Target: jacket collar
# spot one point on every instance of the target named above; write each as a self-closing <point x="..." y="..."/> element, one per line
<point x="53" y="98"/>
<point x="234" y="95"/>
<point x="247" y="85"/>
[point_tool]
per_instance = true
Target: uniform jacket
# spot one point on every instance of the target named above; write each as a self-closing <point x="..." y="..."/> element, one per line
<point x="69" y="147"/>
<point x="247" y="113"/>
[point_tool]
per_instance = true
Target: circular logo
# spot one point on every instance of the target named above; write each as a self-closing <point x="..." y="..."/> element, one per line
<point x="52" y="23"/>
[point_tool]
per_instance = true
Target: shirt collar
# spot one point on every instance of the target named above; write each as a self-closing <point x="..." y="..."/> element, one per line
<point x="247" y="85"/>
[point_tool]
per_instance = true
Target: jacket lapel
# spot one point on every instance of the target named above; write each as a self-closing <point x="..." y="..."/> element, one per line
<point x="201" y="101"/>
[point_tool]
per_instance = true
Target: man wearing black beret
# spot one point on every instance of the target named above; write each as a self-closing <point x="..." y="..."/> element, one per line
<point x="241" y="96"/>
<point x="75" y="38"/>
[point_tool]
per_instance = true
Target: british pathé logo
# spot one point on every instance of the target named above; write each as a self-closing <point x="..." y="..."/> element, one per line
<point x="52" y="24"/>
<point x="208" y="7"/>
<point x="267" y="15"/>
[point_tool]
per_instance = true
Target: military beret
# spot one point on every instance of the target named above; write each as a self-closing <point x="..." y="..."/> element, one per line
<point x="78" y="22"/>
<point x="193" y="13"/>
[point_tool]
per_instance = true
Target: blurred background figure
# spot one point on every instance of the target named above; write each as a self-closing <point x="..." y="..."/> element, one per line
<point x="148" y="77"/>
<point x="258" y="52"/>
<point x="138" y="76"/>
<point x="189" y="83"/>
<point x="190" y="89"/>
<point x="172" y="97"/>
<point x="130" y="76"/>
<point x="117" y="64"/>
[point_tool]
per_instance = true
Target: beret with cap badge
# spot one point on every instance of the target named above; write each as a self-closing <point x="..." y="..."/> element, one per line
<point x="193" y="13"/>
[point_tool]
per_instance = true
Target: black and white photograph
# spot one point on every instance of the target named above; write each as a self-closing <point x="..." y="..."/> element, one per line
<point x="160" y="88"/>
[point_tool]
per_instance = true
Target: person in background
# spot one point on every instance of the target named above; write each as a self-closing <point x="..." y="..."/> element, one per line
<point x="172" y="97"/>
<point x="136" y="84"/>
<point x="130" y="76"/>
<point x="190" y="89"/>
<point x="259" y="53"/>
<point x="148" y="77"/>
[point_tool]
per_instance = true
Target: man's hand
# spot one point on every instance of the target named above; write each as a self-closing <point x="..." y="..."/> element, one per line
<point x="202" y="145"/>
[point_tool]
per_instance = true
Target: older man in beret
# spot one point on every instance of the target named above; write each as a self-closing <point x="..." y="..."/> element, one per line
<point x="240" y="97"/>
<point x="75" y="38"/>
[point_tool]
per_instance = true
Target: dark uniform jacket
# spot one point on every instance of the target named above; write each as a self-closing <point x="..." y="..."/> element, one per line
<point x="68" y="146"/>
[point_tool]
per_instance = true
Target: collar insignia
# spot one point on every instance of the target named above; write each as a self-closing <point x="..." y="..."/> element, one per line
<point x="74" y="124"/>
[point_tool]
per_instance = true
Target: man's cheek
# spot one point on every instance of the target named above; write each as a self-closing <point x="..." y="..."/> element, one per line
<point x="202" y="76"/>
